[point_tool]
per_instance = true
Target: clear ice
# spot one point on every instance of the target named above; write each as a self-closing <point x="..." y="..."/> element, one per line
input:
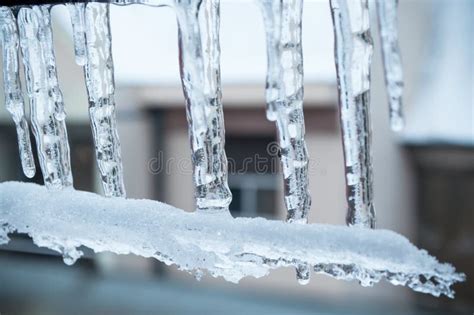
<point x="46" y="102"/>
<point x="284" y="97"/>
<point x="353" y="55"/>
<point x="77" y="14"/>
<point x="199" y="55"/>
<point x="228" y="248"/>
<point x="99" y="74"/>
<point x="233" y="249"/>
<point x="12" y="88"/>
<point x="284" y="94"/>
<point x="388" y="26"/>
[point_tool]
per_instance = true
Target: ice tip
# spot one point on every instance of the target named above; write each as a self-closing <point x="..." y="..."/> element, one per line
<point x="29" y="171"/>
<point x="303" y="281"/>
<point x="81" y="60"/>
<point x="71" y="255"/>
<point x="303" y="274"/>
<point x="397" y="123"/>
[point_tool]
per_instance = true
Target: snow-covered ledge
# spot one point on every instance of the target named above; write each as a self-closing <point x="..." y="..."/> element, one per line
<point x="220" y="245"/>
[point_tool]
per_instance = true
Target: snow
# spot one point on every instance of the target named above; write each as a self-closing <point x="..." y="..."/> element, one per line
<point x="222" y="246"/>
<point x="443" y="111"/>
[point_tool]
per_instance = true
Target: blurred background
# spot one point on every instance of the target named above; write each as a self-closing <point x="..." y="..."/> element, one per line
<point x="424" y="176"/>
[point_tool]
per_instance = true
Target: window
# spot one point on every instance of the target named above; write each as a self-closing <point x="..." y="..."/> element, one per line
<point x="253" y="175"/>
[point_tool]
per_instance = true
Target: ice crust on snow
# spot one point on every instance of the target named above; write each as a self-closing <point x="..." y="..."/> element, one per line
<point x="216" y="243"/>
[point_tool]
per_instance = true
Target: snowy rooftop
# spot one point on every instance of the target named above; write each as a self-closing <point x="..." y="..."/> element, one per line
<point x="218" y="244"/>
<point x="443" y="111"/>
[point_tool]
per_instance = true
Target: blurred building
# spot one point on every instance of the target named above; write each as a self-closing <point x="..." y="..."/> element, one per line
<point x="423" y="178"/>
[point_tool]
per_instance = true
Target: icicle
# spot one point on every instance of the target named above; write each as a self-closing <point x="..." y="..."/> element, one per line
<point x="99" y="73"/>
<point x="284" y="94"/>
<point x="200" y="76"/>
<point x="12" y="88"/>
<point x="388" y="22"/>
<point x="46" y="105"/>
<point x="353" y="54"/>
<point x="76" y="12"/>
<point x="47" y="42"/>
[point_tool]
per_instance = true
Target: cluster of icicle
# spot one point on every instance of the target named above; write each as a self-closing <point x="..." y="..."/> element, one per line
<point x="28" y="29"/>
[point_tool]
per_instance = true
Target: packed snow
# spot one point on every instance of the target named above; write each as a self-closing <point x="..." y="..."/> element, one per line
<point x="214" y="242"/>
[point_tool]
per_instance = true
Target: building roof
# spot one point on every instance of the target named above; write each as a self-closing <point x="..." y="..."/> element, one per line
<point x="443" y="110"/>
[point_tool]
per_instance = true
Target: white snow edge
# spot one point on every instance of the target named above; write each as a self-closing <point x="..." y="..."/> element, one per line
<point x="222" y="246"/>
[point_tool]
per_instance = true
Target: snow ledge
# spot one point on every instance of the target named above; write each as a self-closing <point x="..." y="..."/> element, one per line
<point x="222" y="246"/>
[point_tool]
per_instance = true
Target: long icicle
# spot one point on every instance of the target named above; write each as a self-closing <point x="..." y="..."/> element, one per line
<point x="388" y="29"/>
<point x="284" y="95"/>
<point x="99" y="74"/>
<point x="200" y="76"/>
<point x="52" y="77"/>
<point x="12" y="88"/>
<point x="77" y="15"/>
<point x="46" y="105"/>
<point x="353" y="54"/>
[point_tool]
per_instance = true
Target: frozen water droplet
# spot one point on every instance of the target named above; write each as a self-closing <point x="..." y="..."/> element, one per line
<point x="198" y="274"/>
<point x="397" y="122"/>
<point x="68" y="260"/>
<point x="303" y="274"/>
<point x="71" y="255"/>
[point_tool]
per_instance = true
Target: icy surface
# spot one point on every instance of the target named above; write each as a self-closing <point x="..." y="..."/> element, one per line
<point x="12" y="88"/>
<point x="388" y="25"/>
<point x="46" y="101"/>
<point x="222" y="246"/>
<point x="99" y="73"/>
<point x="199" y="55"/>
<point x="353" y="54"/>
